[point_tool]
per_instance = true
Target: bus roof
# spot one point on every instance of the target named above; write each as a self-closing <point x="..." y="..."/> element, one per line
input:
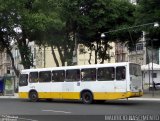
<point x="77" y="67"/>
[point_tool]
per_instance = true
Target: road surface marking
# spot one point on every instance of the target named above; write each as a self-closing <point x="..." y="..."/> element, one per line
<point x="56" y="111"/>
<point x="25" y="119"/>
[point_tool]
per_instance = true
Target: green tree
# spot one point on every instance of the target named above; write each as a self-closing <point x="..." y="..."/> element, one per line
<point x="7" y="25"/>
<point x="148" y="11"/>
<point x="88" y="19"/>
<point x="33" y="17"/>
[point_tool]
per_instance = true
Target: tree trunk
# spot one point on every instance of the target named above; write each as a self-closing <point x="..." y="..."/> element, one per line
<point x="61" y="55"/>
<point x="24" y="50"/>
<point x="54" y="56"/>
<point x="7" y="46"/>
<point x="90" y="56"/>
<point x="96" y="52"/>
<point x="104" y="53"/>
<point x="24" y="53"/>
<point x="12" y="61"/>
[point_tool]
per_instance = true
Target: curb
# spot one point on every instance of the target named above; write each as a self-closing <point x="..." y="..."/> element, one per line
<point x="145" y="99"/>
<point x="9" y="96"/>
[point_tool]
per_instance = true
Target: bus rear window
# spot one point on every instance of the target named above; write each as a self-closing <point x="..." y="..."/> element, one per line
<point x="23" y="80"/>
<point x="135" y="69"/>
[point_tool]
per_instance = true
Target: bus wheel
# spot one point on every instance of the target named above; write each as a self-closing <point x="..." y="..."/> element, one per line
<point x="33" y="96"/>
<point x="87" y="97"/>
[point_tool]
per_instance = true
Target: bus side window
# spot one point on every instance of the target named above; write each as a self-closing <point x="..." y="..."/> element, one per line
<point x="88" y="74"/>
<point x="33" y="77"/>
<point x="73" y="75"/>
<point x="44" y="76"/>
<point x="120" y="73"/>
<point x="58" y="76"/>
<point x="106" y="74"/>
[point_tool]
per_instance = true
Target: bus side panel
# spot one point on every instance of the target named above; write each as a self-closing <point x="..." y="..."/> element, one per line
<point x="99" y="89"/>
<point x="56" y="90"/>
<point x="43" y="89"/>
<point x="23" y="92"/>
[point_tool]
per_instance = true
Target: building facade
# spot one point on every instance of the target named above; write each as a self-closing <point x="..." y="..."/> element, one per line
<point x="5" y="64"/>
<point x="121" y="52"/>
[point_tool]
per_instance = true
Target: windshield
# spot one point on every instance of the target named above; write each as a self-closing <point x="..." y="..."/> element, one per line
<point x="23" y="80"/>
<point x="135" y="69"/>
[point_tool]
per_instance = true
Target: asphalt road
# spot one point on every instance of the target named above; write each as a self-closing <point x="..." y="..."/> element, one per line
<point x="23" y="110"/>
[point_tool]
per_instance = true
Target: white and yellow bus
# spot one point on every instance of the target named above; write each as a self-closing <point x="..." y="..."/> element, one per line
<point x="87" y="83"/>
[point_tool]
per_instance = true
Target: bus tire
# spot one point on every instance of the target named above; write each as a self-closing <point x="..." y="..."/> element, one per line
<point x="33" y="96"/>
<point x="87" y="97"/>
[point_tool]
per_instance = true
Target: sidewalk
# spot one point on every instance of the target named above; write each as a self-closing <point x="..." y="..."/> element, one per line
<point x="153" y="95"/>
<point x="9" y="96"/>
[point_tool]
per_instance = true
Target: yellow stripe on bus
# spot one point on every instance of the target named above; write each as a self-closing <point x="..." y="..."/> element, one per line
<point x="76" y="95"/>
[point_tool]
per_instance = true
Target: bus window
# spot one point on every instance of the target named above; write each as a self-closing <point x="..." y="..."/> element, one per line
<point x="44" y="76"/>
<point x="120" y="73"/>
<point x="73" y="75"/>
<point x="106" y="74"/>
<point x="58" y="76"/>
<point x="33" y="77"/>
<point x="88" y="74"/>
<point x="23" y="80"/>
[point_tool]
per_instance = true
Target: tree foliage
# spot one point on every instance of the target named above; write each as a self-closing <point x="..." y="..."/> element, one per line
<point x="33" y="18"/>
<point x="148" y="11"/>
<point x="88" y="19"/>
<point x="66" y="23"/>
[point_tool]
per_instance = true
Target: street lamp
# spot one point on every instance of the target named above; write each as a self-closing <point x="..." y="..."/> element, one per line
<point x="75" y="58"/>
<point x="152" y="63"/>
<point x="155" y="24"/>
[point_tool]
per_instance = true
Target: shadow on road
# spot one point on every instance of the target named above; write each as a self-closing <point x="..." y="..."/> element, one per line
<point x="108" y="102"/>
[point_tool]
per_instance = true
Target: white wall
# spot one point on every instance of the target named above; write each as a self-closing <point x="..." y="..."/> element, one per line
<point x="146" y="77"/>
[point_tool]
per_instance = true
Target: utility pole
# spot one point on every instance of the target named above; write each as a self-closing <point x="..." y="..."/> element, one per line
<point x="152" y="69"/>
<point x="44" y="52"/>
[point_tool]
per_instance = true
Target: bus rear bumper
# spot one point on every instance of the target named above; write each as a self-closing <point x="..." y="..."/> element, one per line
<point x="134" y="94"/>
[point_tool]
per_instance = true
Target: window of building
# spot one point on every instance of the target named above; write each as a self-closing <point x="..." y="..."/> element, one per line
<point x="139" y="46"/>
<point x="73" y="75"/>
<point x="23" y="80"/>
<point x="106" y="74"/>
<point x="33" y="77"/>
<point x="8" y="57"/>
<point x="45" y="76"/>
<point x="8" y="70"/>
<point x="120" y="73"/>
<point x="58" y="76"/>
<point x="154" y="75"/>
<point x="88" y="74"/>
